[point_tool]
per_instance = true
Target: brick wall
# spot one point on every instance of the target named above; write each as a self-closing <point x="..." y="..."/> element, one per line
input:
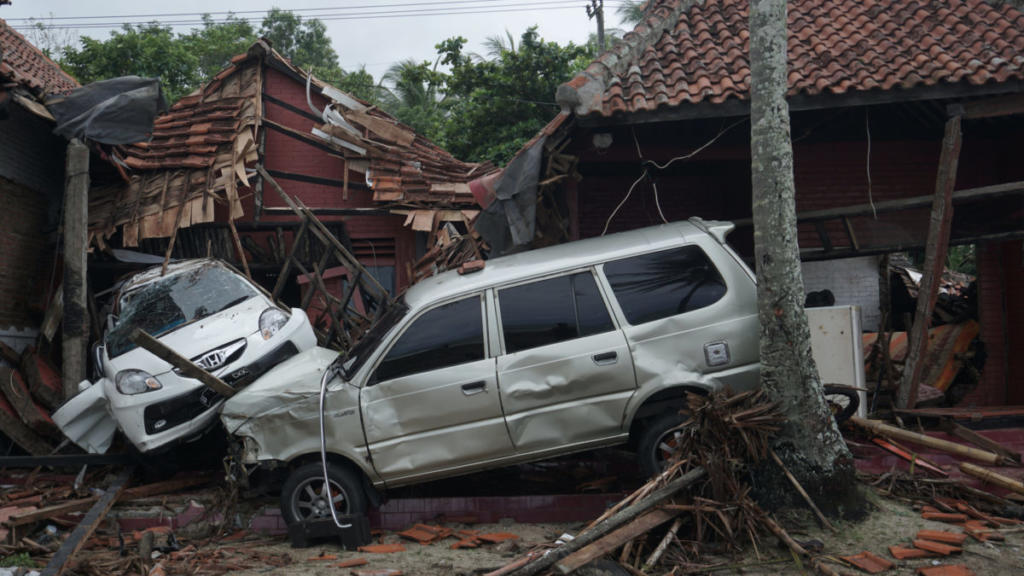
<point x="853" y="281"/>
<point x="23" y="250"/>
<point x="288" y="154"/>
<point x="30" y="154"/>
<point x="991" y="391"/>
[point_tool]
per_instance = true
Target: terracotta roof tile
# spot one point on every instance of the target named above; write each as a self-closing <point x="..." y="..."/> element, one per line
<point x="835" y="46"/>
<point x="24" y="64"/>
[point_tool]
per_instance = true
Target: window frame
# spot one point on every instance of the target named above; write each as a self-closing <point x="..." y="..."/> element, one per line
<point x="602" y="290"/>
<point x="373" y="380"/>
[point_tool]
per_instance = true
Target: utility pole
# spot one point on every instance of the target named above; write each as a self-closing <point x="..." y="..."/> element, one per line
<point x="76" y="315"/>
<point x="596" y="9"/>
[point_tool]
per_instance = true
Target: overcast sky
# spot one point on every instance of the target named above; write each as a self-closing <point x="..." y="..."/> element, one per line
<point x="374" y="33"/>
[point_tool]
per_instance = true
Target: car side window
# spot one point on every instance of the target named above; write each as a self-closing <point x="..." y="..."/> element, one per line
<point x="448" y="335"/>
<point x="662" y="284"/>
<point x="550" y="311"/>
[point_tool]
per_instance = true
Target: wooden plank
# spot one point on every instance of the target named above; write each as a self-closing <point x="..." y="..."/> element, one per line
<point x="959" y="197"/>
<point x="882" y="429"/>
<point x="187" y="368"/>
<point x="614" y="539"/>
<point x="613" y="522"/>
<point x="826" y="242"/>
<point x="936" y="248"/>
<point x="850" y="234"/>
<point x="74" y="542"/>
<point x="991" y="107"/>
<point x="144" y="491"/>
<point x="992" y="477"/>
<point x="238" y="247"/>
<point x="980" y="441"/>
<point x="286" y="268"/>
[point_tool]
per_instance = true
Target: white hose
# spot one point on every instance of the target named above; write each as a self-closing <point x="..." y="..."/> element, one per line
<point x="328" y="373"/>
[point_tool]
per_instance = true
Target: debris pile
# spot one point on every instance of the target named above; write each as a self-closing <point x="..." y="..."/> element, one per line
<point x="702" y="495"/>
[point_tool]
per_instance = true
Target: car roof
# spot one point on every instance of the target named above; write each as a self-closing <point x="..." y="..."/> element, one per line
<point x="576" y="254"/>
<point x="173" y="269"/>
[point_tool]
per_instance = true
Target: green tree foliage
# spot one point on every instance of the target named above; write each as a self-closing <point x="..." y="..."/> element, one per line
<point x="416" y="96"/>
<point x="148" y="50"/>
<point x="494" y="106"/>
<point x="216" y="42"/>
<point x="304" y="42"/>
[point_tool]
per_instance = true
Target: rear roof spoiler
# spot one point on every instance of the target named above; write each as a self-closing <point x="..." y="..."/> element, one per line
<point x="719" y="229"/>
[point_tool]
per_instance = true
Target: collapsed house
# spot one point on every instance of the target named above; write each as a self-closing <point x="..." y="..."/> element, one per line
<point x="209" y="164"/>
<point x="656" y="129"/>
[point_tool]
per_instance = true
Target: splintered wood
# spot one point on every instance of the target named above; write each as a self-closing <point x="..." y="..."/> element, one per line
<point x="702" y="497"/>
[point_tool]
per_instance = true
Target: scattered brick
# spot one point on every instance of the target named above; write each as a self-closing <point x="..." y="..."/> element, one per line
<point x="466" y="543"/>
<point x="322" y="557"/>
<point x="942" y="536"/>
<point x="944" y="517"/>
<point x="377" y="572"/>
<point x="869" y="562"/>
<point x="937" y="547"/>
<point x="952" y="570"/>
<point x="382" y="548"/>
<point x="901" y="553"/>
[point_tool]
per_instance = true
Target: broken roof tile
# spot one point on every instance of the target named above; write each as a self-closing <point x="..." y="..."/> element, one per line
<point x="27" y="66"/>
<point x="835" y="47"/>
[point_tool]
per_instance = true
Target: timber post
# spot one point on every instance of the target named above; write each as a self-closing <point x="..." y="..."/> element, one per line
<point x="934" y="263"/>
<point x="76" y="319"/>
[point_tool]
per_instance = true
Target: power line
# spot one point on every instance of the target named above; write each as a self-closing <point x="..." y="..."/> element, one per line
<point x="543" y="5"/>
<point x="228" y="12"/>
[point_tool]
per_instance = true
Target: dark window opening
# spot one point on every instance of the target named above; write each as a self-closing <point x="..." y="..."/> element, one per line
<point x="662" y="284"/>
<point x="552" y="311"/>
<point x="448" y="335"/>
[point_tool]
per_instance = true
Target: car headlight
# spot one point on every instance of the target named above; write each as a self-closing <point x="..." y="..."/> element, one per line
<point x="271" y="320"/>
<point x="136" y="382"/>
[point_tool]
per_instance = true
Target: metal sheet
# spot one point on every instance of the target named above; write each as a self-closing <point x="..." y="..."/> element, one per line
<point x="85" y="420"/>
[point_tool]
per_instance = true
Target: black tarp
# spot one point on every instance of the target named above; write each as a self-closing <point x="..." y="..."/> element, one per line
<point x="116" y="111"/>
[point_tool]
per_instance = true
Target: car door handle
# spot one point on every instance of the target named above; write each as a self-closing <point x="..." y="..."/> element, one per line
<point x="606" y="358"/>
<point x="474" y="388"/>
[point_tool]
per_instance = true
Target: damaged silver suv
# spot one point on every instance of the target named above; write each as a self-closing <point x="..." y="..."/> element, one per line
<point x="557" y="350"/>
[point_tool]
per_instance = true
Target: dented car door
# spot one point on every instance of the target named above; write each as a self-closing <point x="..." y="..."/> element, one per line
<point x="566" y="373"/>
<point x="431" y="403"/>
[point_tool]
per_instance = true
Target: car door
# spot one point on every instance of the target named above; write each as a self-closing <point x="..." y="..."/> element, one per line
<point x="432" y="403"/>
<point x="565" y="373"/>
<point x="686" y="319"/>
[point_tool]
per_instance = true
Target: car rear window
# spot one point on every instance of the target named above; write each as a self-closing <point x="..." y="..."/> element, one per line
<point x="551" y="311"/>
<point x="662" y="284"/>
<point x="173" y="301"/>
<point x="448" y="335"/>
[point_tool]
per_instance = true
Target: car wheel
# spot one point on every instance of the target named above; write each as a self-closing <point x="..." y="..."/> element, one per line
<point x="304" y="495"/>
<point x="657" y="444"/>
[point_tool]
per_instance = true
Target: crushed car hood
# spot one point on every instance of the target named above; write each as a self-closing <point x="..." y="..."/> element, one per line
<point x="295" y="379"/>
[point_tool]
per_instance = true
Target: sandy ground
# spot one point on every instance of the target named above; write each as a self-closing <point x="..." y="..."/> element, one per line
<point x="890" y="522"/>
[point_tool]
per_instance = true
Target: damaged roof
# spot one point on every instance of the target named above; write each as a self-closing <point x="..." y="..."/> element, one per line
<point x="23" y="64"/>
<point x="694" y="51"/>
<point x="206" y="145"/>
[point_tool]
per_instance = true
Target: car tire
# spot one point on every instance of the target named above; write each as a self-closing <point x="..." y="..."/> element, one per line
<point x="655" y="443"/>
<point x="303" y="494"/>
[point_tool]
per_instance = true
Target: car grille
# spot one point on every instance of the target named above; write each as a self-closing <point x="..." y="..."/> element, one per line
<point x="165" y="415"/>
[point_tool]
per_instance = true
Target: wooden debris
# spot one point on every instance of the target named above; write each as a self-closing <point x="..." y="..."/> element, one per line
<point x="803" y="493"/>
<point x="883" y="429"/>
<point x="992" y="477"/>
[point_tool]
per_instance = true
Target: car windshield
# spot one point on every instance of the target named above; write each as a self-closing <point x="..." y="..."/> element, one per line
<point x="358" y="354"/>
<point x="174" y="301"/>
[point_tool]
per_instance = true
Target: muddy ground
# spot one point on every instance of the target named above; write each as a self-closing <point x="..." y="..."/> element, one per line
<point x="890" y="522"/>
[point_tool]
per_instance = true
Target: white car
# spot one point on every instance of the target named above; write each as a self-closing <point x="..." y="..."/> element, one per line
<point x="205" y="311"/>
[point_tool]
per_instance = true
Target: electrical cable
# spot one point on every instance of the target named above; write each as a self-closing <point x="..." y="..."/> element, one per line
<point x="328" y="373"/>
<point x="867" y="127"/>
<point x="654" y="185"/>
